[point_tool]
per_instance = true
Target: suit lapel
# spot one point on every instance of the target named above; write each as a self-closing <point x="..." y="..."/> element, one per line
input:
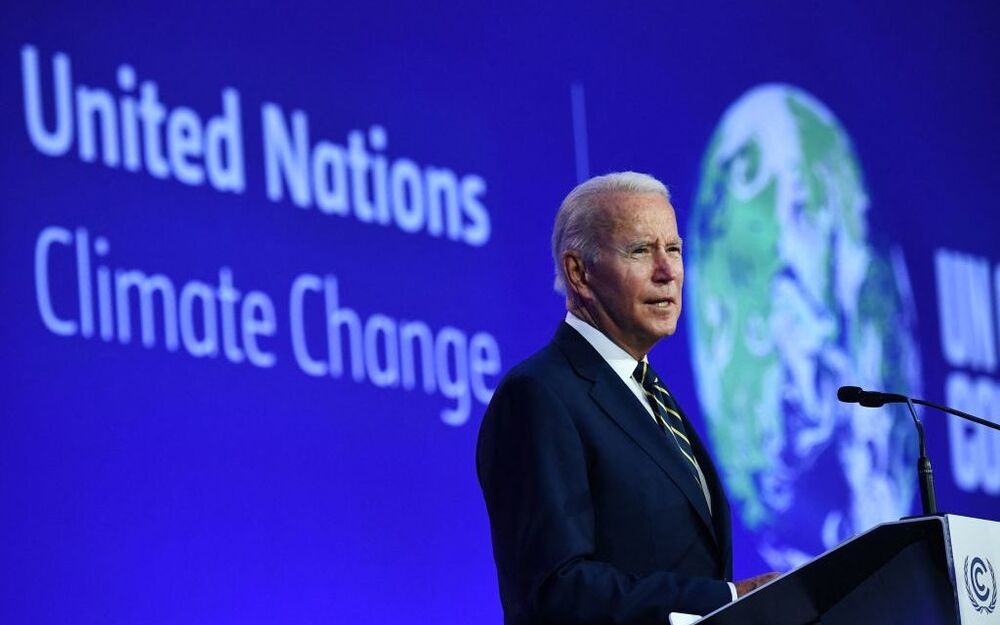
<point x="623" y="407"/>
<point x="720" y="503"/>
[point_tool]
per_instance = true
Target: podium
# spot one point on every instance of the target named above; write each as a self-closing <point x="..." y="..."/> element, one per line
<point x="938" y="570"/>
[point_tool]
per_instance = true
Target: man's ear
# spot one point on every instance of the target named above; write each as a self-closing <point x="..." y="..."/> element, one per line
<point x="578" y="282"/>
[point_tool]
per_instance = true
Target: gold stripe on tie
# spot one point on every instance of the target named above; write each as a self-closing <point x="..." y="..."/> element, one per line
<point x="677" y="433"/>
<point x="673" y="413"/>
<point x="656" y="399"/>
<point x="669" y="411"/>
<point x="674" y="431"/>
<point x="693" y="463"/>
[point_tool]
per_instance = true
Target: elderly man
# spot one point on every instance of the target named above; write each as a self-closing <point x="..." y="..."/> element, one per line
<point x="604" y="505"/>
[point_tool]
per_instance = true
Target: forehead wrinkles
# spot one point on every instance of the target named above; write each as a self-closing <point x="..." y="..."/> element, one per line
<point x="631" y="217"/>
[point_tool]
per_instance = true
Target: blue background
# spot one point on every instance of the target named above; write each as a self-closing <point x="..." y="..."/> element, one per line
<point x="147" y="486"/>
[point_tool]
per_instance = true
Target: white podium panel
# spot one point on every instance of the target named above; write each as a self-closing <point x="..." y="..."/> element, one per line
<point x="974" y="549"/>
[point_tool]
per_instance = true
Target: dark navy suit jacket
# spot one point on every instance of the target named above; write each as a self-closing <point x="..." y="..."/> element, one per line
<point x="593" y="516"/>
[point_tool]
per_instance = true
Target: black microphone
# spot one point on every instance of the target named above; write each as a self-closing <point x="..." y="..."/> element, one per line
<point x="875" y="399"/>
<point x="868" y="399"/>
<point x="849" y="394"/>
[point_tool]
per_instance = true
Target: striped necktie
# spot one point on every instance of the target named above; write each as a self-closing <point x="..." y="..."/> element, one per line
<point x="668" y="415"/>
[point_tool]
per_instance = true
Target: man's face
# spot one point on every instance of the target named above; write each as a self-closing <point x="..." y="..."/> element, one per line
<point x="633" y="290"/>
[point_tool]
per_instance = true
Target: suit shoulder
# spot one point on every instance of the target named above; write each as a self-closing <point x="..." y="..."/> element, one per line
<point x="530" y="409"/>
<point x="547" y="368"/>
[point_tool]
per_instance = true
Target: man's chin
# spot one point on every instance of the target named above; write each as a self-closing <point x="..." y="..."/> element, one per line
<point x="662" y="330"/>
<point x="665" y="326"/>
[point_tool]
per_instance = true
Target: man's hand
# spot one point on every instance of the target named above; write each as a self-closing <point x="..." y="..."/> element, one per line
<point x="746" y="585"/>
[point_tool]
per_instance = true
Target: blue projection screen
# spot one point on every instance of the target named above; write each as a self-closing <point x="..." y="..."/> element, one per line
<point x="264" y="267"/>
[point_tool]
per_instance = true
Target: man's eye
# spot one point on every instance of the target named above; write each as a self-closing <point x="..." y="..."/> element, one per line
<point x="641" y="250"/>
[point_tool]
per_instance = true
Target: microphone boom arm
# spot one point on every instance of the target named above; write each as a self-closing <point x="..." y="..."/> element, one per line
<point x="957" y="413"/>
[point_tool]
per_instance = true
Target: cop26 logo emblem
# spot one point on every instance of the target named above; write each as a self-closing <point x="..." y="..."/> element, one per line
<point x="982" y="594"/>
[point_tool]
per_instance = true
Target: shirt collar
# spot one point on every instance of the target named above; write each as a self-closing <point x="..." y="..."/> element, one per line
<point x="620" y="361"/>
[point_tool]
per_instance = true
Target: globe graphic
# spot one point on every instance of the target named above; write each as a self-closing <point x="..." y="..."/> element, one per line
<point x="790" y="299"/>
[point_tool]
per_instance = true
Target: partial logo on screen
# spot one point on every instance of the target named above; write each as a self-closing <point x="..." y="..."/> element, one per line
<point x="793" y="298"/>
<point x="982" y="591"/>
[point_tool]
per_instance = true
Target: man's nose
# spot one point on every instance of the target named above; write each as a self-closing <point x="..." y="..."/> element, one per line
<point x="665" y="266"/>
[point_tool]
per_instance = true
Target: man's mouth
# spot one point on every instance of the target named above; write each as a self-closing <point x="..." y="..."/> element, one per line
<point x="661" y="302"/>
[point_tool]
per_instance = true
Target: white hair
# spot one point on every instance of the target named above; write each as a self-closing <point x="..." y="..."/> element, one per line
<point x="580" y="218"/>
